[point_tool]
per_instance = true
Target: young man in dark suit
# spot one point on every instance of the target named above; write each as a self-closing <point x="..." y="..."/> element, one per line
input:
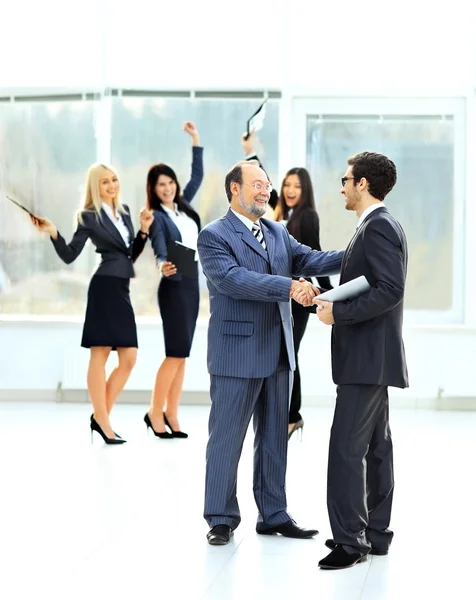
<point x="367" y="357"/>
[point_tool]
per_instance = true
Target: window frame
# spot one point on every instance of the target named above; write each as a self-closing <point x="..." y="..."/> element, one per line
<point x="302" y="108"/>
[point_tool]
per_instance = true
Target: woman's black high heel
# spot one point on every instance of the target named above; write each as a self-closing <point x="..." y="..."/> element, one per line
<point x="94" y="425"/>
<point x="116" y="434"/>
<point x="299" y="426"/>
<point x="175" y="434"/>
<point x="165" y="435"/>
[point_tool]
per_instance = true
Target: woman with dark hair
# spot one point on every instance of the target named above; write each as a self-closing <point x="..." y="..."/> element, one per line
<point x="297" y="210"/>
<point x="178" y="295"/>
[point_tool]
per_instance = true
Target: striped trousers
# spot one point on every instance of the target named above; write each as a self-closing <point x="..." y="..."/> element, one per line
<point x="234" y="401"/>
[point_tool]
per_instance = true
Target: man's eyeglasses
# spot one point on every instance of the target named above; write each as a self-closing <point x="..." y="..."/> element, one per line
<point x="260" y="186"/>
<point x="344" y="179"/>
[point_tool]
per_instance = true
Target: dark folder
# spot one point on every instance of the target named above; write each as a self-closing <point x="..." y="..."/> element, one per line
<point x="21" y="206"/>
<point x="183" y="258"/>
<point x="256" y="121"/>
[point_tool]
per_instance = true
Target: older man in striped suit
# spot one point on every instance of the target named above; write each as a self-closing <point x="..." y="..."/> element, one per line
<point x="249" y="264"/>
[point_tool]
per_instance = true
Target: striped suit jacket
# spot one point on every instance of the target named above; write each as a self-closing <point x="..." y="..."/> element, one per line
<point x="249" y="293"/>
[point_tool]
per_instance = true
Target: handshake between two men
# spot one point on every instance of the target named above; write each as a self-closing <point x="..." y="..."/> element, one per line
<point x="305" y="293"/>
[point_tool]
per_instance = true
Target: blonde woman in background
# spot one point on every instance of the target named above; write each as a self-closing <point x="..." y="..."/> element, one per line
<point x="109" y="323"/>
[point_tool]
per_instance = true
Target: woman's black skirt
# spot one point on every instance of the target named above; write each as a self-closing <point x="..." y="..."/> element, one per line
<point x="178" y="303"/>
<point x="110" y="317"/>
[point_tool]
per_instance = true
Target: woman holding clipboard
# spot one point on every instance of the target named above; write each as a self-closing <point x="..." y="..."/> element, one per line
<point x="175" y="221"/>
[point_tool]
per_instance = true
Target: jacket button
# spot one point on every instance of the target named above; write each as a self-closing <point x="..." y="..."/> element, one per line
<point x="129" y="256"/>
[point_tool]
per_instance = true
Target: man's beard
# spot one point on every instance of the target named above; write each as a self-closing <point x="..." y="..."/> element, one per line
<point x="253" y="210"/>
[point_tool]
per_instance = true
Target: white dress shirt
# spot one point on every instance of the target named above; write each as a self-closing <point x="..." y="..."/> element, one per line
<point x="118" y="223"/>
<point x="187" y="227"/>
<point x="248" y="222"/>
<point x="286" y="221"/>
<point x="367" y="211"/>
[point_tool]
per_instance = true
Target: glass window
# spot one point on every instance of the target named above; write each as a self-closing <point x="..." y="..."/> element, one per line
<point x="423" y="200"/>
<point x="149" y="130"/>
<point x="46" y="150"/>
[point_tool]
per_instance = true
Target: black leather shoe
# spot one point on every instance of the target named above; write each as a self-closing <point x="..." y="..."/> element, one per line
<point x="331" y="545"/>
<point x="288" y="529"/>
<point x="340" y="559"/>
<point x="219" y="535"/>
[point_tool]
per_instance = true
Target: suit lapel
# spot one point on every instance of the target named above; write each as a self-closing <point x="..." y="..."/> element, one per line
<point x="173" y="230"/>
<point x="248" y="238"/>
<point x="270" y="241"/>
<point x="109" y="226"/>
<point x="377" y="211"/>
<point x="349" y="247"/>
<point x="128" y="221"/>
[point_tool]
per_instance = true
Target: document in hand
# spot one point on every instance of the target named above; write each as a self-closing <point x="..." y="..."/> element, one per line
<point x="21" y="206"/>
<point x="256" y="121"/>
<point x="346" y="291"/>
<point x="183" y="258"/>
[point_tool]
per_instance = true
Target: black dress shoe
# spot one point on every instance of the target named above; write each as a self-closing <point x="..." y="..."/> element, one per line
<point x="340" y="559"/>
<point x="331" y="545"/>
<point x="288" y="529"/>
<point x="219" y="535"/>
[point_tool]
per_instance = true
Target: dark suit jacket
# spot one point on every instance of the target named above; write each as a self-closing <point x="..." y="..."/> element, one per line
<point x="367" y="345"/>
<point x="163" y="230"/>
<point x="309" y="236"/>
<point x="309" y="229"/>
<point x="116" y="257"/>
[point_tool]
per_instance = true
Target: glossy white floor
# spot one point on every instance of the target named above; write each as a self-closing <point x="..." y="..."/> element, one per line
<point x="82" y="521"/>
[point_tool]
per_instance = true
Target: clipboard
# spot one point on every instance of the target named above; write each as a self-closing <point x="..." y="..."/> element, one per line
<point x="346" y="291"/>
<point x="21" y="206"/>
<point x="183" y="258"/>
<point x="256" y="121"/>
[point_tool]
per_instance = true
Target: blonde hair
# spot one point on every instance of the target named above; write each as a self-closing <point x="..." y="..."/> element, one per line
<point x="92" y="198"/>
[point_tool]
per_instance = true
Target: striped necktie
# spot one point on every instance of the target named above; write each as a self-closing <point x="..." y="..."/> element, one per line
<point x="258" y="233"/>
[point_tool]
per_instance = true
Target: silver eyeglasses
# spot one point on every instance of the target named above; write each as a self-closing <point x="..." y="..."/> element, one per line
<point x="260" y="186"/>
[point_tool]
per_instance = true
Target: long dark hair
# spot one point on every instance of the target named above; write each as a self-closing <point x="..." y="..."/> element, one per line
<point x="306" y="202"/>
<point x="153" y="201"/>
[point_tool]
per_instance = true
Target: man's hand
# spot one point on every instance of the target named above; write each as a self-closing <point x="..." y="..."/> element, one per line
<point x="324" y="311"/>
<point x="303" y="292"/>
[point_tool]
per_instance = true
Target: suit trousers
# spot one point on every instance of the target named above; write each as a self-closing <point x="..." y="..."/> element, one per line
<point x="360" y="469"/>
<point x="234" y="400"/>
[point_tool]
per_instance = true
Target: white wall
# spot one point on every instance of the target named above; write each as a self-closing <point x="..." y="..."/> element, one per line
<point x="51" y="43"/>
<point x="341" y="47"/>
<point x="306" y="49"/>
<point x="33" y="355"/>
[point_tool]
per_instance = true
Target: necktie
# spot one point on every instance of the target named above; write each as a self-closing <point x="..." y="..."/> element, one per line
<point x="258" y="233"/>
